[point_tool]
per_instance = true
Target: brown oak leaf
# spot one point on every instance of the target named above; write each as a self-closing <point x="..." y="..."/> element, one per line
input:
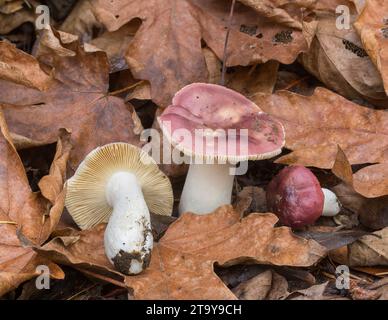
<point x="182" y="261"/>
<point x="76" y="97"/>
<point x="316" y="125"/>
<point x="281" y="11"/>
<point x="27" y="218"/>
<point x="370" y="181"/>
<point x="338" y="59"/>
<point x="166" y="50"/>
<point x="372" y="26"/>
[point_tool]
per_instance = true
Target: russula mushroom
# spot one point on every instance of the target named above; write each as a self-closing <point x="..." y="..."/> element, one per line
<point x="295" y="195"/>
<point x="224" y="128"/>
<point x="120" y="184"/>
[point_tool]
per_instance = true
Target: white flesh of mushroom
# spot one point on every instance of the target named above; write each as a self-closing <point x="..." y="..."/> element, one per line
<point x="207" y="187"/>
<point x="331" y="206"/>
<point x="128" y="236"/>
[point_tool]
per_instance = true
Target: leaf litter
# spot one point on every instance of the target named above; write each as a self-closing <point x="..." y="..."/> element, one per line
<point x="102" y="72"/>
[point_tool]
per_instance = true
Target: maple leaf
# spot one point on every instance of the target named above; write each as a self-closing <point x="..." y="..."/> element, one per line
<point x="182" y="261"/>
<point x="73" y="94"/>
<point x="316" y="125"/>
<point x="372" y="26"/>
<point x="27" y="218"/>
<point x="166" y="50"/>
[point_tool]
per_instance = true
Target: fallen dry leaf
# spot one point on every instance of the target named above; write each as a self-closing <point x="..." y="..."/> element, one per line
<point x="337" y="58"/>
<point x="166" y="50"/>
<point x="250" y="81"/>
<point x="371" y="181"/>
<point x="359" y="4"/>
<point x="76" y="98"/>
<point x="83" y="250"/>
<point x="316" y="292"/>
<point x="82" y="21"/>
<point x="11" y="20"/>
<point x="381" y="287"/>
<point x="372" y="212"/>
<point x="267" y="285"/>
<point x="333" y="239"/>
<point x="370" y="250"/>
<point x="27" y="218"/>
<point x="251" y="199"/>
<point x="316" y="125"/>
<point x="349" y="198"/>
<point x="182" y="261"/>
<point x="331" y="5"/>
<point x="115" y="45"/>
<point x="17" y="67"/>
<point x="358" y="291"/>
<point x="8" y="7"/>
<point x="276" y="10"/>
<point x="372" y="26"/>
<point x="374" y="271"/>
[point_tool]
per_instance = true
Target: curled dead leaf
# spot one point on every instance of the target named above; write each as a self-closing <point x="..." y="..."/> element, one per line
<point x="370" y="181"/>
<point x="372" y="26"/>
<point x="182" y="261"/>
<point x="30" y="217"/>
<point x="268" y="285"/>
<point x="254" y="39"/>
<point x="370" y="250"/>
<point x="338" y="59"/>
<point x="76" y="99"/>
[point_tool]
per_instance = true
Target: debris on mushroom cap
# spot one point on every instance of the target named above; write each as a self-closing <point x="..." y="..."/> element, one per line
<point x="217" y="109"/>
<point x="295" y="196"/>
<point x="85" y="197"/>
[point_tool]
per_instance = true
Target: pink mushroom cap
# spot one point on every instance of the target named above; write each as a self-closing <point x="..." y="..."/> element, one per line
<point x="239" y="128"/>
<point x="295" y="196"/>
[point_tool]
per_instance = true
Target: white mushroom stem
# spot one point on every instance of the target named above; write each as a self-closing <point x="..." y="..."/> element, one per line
<point x="207" y="187"/>
<point x="331" y="206"/>
<point x="128" y="236"/>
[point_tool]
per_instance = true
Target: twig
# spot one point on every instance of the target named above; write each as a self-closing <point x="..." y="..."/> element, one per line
<point x="113" y="93"/>
<point x="101" y="277"/>
<point x="226" y="43"/>
<point x="296" y="82"/>
<point x="81" y="292"/>
<point x="8" y="222"/>
<point x="28" y="4"/>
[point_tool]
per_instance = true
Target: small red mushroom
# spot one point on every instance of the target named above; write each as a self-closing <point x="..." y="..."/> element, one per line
<point x="295" y="196"/>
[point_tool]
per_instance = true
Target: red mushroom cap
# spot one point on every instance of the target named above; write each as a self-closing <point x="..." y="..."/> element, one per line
<point x="295" y="196"/>
<point x="211" y="107"/>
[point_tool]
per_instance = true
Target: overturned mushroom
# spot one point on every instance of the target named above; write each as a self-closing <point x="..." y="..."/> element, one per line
<point x="295" y="195"/>
<point x="211" y="123"/>
<point x="120" y="184"/>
